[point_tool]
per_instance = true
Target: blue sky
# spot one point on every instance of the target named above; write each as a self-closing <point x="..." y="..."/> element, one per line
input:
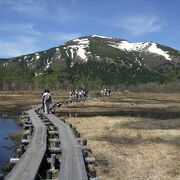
<point x="32" y="25"/>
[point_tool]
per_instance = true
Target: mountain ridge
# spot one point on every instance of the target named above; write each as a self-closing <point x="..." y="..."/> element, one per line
<point x="97" y="58"/>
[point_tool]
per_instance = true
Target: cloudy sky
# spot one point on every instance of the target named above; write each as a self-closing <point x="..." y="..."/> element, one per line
<point x="32" y="25"/>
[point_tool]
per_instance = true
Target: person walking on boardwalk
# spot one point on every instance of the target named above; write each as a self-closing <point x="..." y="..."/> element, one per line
<point x="46" y="100"/>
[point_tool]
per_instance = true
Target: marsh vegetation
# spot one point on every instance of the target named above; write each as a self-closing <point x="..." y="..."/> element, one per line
<point x="131" y="147"/>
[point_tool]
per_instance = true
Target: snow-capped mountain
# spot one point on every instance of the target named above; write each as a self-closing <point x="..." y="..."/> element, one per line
<point x="92" y="47"/>
<point x="142" y="61"/>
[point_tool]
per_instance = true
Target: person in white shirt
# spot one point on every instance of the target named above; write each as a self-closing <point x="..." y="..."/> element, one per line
<point x="46" y="100"/>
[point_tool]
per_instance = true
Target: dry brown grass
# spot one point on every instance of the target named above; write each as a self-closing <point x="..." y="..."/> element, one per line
<point x="130" y="148"/>
<point x="126" y="102"/>
<point x="133" y="148"/>
<point x="24" y="99"/>
<point x="125" y="148"/>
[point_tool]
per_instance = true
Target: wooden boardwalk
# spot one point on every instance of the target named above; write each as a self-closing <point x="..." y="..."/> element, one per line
<point x="28" y="165"/>
<point x="72" y="161"/>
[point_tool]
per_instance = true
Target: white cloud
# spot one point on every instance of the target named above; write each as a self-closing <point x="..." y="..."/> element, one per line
<point x="25" y="6"/>
<point x="17" y="46"/>
<point x="64" y="14"/>
<point x="139" y="25"/>
<point x="20" y="28"/>
<point x="43" y="9"/>
<point x="9" y="49"/>
<point x="25" y="44"/>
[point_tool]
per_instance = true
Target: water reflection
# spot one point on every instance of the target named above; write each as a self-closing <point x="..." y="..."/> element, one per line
<point x="10" y="114"/>
<point x="7" y="146"/>
<point x="154" y="114"/>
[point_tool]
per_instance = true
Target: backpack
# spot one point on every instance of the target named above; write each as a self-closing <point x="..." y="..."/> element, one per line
<point x="47" y="98"/>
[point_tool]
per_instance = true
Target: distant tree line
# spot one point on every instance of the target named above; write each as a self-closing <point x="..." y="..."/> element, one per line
<point x="93" y="75"/>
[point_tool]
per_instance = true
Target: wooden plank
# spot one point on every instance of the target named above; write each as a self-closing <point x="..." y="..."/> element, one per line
<point x="72" y="161"/>
<point x="28" y="165"/>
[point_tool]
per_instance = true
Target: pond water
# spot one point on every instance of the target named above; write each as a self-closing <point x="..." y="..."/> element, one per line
<point x="7" y="146"/>
<point x="154" y="114"/>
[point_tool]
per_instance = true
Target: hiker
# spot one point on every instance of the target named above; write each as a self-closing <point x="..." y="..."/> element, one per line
<point x="70" y="95"/>
<point x="102" y="92"/>
<point x="109" y="92"/>
<point x="81" y="94"/>
<point x="76" y="94"/>
<point x="46" y="100"/>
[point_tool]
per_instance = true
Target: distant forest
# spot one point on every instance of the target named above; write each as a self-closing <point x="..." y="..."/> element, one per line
<point x="92" y="75"/>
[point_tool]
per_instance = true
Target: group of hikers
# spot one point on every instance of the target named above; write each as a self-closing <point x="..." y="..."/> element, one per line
<point x="73" y="95"/>
<point x="106" y="92"/>
<point x="78" y="94"/>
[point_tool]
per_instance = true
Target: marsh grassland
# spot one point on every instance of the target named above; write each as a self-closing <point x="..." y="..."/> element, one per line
<point x="133" y="136"/>
<point x="21" y="100"/>
<point x="132" y="148"/>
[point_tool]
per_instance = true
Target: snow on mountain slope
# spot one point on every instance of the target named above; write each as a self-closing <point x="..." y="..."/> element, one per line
<point x="125" y="45"/>
<point x="105" y="37"/>
<point x="154" y="49"/>
<point x="79" y="48"/>
<point x="141" y="47"/>
<point x="97" y="48"/>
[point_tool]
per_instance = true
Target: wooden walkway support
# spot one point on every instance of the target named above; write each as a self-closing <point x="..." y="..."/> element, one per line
<point x="29" y="163"/>
<point x="72" y="161"/>
<point x="45" y="127"/>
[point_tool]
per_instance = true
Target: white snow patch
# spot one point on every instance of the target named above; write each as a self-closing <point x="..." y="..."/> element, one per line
<point x="57" y="49"/>
<point x="79" y="48"/>
<point x="5" y="64"/>
<point x="36" y="74"/>
<point x="105" y="37"/>
<point x="48" y="64"/>
<point x="138" y="61"/>
<point x="82" y="53"/>
<point x="154" y="49"/>
<point x="76" y="40"/>
<point x="141" y="47"/>
<point x="125" y="45"/>
<point x="72" y="64"/>
<point x="98" y="57"/>
<point x="67" y="53"/>
<point x="84" y="41"/>
<point x="37" y="55"/>
<point x="72" y="53"/>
